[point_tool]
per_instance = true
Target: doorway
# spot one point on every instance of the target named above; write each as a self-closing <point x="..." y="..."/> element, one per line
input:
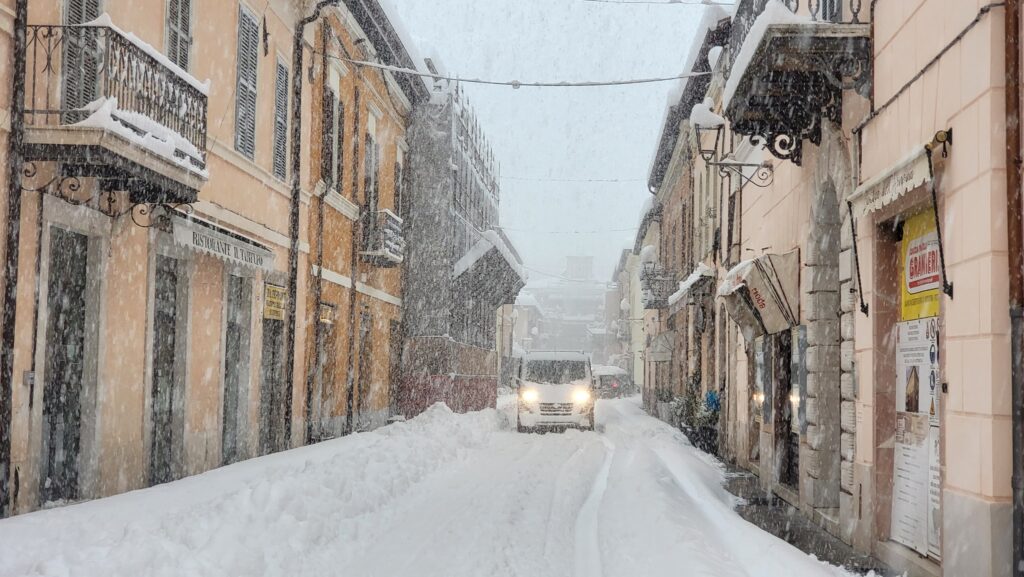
<point x="238" y="319"/>
<point x="787" y="436"/>
<point x="168" y="382"/>
<point x="64" y="365"/>
<point x="275" y="431"/>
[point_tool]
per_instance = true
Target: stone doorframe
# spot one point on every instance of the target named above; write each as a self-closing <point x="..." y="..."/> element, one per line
<point x="827" y="462"/>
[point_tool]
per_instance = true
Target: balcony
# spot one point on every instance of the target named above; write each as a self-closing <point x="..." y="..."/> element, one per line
<point x="104" y="105"/>
<point x="656" y="285"/>
<point x="385" y="245"/>
<point x="790" y="61"/>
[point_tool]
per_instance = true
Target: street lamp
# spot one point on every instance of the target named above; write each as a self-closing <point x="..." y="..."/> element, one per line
<point x="708" y="126"/>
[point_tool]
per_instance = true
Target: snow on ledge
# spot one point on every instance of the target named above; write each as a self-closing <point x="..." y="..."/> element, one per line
<point x="702" y="271"/>
<point x="105" y="21"/>
<point x="775" y="12"/>
<point x="156" y="137"/>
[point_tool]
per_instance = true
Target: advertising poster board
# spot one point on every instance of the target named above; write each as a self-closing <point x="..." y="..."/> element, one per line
<point x="917" y="497"/>
<point x="921" y="274"/>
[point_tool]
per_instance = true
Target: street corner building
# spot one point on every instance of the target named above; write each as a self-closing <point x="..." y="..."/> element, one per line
<point x="195" y="285"/>
<point x="461" y="268"/>
<point x="824" y="269"/>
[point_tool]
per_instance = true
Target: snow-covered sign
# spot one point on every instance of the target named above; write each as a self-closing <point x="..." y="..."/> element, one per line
<point x="207" y="238"/>
<point x="884" y="189"/>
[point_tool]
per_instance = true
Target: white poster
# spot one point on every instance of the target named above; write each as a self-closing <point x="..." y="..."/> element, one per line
<point x="917" y="491"/>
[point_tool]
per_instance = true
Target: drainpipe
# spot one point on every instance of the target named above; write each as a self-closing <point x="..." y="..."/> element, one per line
<point x="15" y="140"/>
<point x="1015" y="242"/>
<point x="296" y="202"/>
<point x="353" y="294"/>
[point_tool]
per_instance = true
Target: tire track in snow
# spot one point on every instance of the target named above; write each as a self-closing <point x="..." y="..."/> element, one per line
<point x="588" y="544"/>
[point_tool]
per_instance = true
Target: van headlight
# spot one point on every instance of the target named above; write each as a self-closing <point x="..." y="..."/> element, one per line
<point x="581" y="396"/>
<point x="529" y="395"/>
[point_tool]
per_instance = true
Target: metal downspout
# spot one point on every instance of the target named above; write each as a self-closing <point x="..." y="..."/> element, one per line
<point x="1015" y="245"/>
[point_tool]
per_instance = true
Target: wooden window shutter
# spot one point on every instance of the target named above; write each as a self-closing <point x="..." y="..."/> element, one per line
<point x="281" y="122"/>
<point x="339" y="143"/>
<point x="327" y="139"/>
<point x="245" y="94"/>
<point x="179" y="32"/>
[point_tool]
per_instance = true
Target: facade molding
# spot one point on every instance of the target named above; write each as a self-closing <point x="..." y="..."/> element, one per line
<point x="362" y="288"/>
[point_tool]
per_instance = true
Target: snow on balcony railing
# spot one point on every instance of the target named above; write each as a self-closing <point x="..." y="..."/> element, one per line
<point x="385" y="240"/>
<point x="753" y="17"/>
<point x="76" y="72"/>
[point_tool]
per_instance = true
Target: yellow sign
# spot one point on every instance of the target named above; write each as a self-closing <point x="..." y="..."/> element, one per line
<point x="275" y="298"/>
<point x="920" y="272"/>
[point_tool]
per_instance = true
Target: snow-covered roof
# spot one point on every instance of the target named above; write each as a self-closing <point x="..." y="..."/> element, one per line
<point x="391" y="12"/>
<point x="489" y="239"/>
<point x="775" y="12"/>
<point x="556" y="356"/>
<point x="602" y="370"/>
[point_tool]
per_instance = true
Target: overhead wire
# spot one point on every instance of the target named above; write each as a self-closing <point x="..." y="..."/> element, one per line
<point x="516" y="84"/>
<point x="542" y="179"/>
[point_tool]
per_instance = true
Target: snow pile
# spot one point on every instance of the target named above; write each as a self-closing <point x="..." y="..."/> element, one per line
<point x="284" y="514"/>
<point x="714" y="53"/>
<point x="104" y="20"/>
<point x="142" y="130"/>
<point x="702" y="116"/>
<point x="734" y="279"/>
<point x="702" y="271"/>
<point x="489" y="239"/>
<point x="775" y="12"/>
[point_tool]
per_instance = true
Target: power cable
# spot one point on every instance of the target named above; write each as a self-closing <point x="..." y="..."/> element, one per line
<point x="516" y="84"/>
<point x="532" y="231"/>
<point x="539" y="179"/>
<point x="665" y="2"/>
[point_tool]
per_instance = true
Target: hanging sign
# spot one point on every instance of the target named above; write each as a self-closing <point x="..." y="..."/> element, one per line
<point x="274" y="300"/>
<point x="921" y="272"/>
<point x="327" y="314"/>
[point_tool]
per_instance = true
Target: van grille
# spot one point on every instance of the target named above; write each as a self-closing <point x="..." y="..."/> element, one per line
<point x="556" y="409"/>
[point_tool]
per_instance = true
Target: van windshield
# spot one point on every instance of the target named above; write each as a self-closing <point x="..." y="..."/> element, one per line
<point x="555" y="372"/>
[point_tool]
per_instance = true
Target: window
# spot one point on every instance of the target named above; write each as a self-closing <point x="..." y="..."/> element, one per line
<point x="179" y="32"/>
<point x="371" y="164"/>
<point x="399" y="189"/>
<point x="245" y="93"/>
<point x="333" y="160"/>
<point x="281" y="122"/>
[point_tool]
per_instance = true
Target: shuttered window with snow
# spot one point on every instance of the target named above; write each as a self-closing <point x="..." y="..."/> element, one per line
<point x="281" y="122"/>
<point x="333" y="139"/>
<point x="179" y="32"/>
<point x="81" y="58"/>
<point x="245" y="93"/>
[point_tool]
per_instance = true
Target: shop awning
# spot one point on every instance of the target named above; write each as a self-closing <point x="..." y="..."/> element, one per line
<point x="762" y="295"/>
<point x="206" y="237"/>
<point x="882" y="190"/>
<point x="691" y="285"/>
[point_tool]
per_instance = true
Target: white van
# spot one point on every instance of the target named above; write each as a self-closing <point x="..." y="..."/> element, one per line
<point x="556" y="390"/>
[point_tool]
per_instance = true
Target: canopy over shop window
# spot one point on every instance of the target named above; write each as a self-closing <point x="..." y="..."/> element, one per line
<point x="694" y="284"/>
<point x="882" y="190"/>
<point x="762" y="295"/>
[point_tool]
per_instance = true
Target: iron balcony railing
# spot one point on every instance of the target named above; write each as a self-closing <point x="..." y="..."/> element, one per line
<point x="71" y="69"/>
<point x="656" y="285"/>
<point x="384" y="242"/>
<point x="747" y="11"/>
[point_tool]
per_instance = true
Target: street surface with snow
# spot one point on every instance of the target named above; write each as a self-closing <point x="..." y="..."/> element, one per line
<point x="440" y="495"/>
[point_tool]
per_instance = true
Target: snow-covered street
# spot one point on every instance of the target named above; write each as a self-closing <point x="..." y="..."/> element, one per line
<point x="443" y="494"/>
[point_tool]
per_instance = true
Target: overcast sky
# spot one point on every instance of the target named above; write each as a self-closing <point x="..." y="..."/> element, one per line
<point x="562" y="133"/>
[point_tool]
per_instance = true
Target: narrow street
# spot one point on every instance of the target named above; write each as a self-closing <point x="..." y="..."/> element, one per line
<point x="443" y="494"/>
